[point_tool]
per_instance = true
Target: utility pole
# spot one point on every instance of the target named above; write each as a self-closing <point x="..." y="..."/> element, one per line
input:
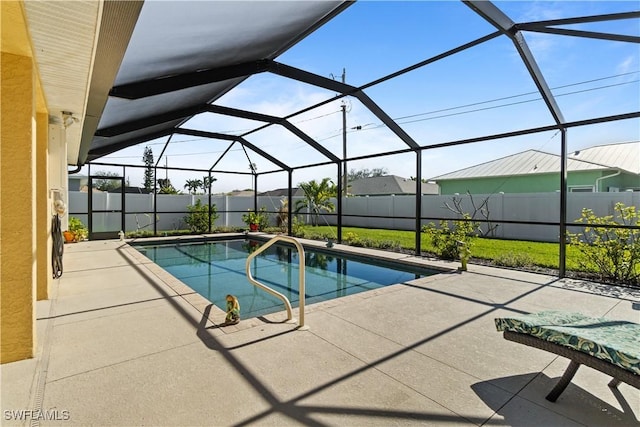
<point x="344" y="137"/>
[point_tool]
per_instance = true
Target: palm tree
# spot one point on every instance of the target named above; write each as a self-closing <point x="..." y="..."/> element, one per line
<point x="317" y="197"/>
<point x="206" y="182"/>
<point x="192" y="185"/>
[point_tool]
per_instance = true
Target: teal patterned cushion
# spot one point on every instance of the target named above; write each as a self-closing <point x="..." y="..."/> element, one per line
<point x="616" y="341"/>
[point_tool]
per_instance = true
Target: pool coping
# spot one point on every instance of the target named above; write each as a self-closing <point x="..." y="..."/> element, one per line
<point x="216" y="315"/>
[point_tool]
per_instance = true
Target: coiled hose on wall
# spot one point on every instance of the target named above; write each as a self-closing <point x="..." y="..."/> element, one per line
<point x="58" y="247"/>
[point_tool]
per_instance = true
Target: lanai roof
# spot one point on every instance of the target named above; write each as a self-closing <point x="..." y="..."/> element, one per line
<point x="132" y="72"/>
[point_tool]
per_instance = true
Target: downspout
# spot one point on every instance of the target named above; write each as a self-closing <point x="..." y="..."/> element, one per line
<point x="605" y="177"/>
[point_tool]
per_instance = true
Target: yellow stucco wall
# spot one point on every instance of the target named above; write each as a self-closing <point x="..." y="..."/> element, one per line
<point x="43" y="208"/>
<point x="17" y="274"/>
<point x="24" y="201"/>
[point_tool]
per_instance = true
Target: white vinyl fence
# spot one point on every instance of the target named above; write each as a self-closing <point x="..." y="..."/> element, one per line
<point x="398" y="211"/>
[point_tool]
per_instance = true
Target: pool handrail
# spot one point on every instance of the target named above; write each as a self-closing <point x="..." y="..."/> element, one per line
<point x="301" y="276"/>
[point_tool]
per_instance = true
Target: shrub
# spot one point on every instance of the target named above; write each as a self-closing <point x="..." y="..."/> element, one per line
<point x="448" y="240"/>
<point x="613" y="252"/>
<point x="80" y="232"/>
<point x="388" y="244"/>
<point x="198" y="217"/>
<point x="352" y="239"/>
<point x="514" y="259"/>
<point x="297" y="227"/>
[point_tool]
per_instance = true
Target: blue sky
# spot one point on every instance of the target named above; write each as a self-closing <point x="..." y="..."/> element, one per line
<point x="482" y="91"/>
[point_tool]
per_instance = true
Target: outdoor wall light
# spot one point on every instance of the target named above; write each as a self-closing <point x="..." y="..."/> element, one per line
<point x="68" y="119"/>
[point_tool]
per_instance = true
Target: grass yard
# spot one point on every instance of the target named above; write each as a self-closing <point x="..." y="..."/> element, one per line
<point x="513" y="253"/>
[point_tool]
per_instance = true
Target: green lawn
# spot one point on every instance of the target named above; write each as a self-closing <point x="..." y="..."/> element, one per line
<point x="504" y="251"/>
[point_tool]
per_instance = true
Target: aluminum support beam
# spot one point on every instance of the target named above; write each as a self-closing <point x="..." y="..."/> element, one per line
<point x="313" y="79"/>
<point x="587" y="34"/>
<point x="290" y="203"/>
<point x="216" y="109"/>
<point x="493" y="15"/>
<point x="562" y="261"/>
<point x="274" y="120"/>
<point x="213" y="135"/>
<point x="388" y="121"/>
<point x="538" y="78"/>
<point x="418" y="226"/>
<point x="108" y="149"/>
<point x="502" y="22"/>
<point x="578" y="20"/>
<point x="243" y="114"/>
<point x="312" y="142"/>
<point x="333" y="85"/>
<point x="164" y="148"/>
<point x="135" y="125"/>
<point x="146" y="88"/>
<point x="221" y="156"/>
<point x="340" y="196"/>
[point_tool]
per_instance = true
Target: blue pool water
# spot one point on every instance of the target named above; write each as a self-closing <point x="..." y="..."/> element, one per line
<point x="217" y="268"/>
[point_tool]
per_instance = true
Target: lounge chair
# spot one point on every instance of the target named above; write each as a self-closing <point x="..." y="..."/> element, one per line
<point x="610" y="346"/>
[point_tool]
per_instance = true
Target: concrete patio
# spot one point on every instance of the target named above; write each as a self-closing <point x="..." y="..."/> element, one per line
<point x="123" y="343"/>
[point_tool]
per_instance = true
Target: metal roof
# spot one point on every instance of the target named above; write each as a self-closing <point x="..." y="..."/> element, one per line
<point x="532" y="162"/>
<point x="388" y="184"/>
<point x="625" y="155"/>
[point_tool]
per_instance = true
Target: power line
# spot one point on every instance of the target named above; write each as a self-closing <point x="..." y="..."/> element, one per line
<point x="517" y="96"/>
<point x="493" y="107"/>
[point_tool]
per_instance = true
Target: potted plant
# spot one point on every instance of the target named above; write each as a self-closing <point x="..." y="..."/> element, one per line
<point x="252" y="219"/>
<point x="77" y="230"/>
<point x="68" y="236"/>
<point x="256" y="220"/>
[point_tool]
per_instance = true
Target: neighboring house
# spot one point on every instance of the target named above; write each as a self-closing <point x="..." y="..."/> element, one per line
<point x="78" y="182"/>
<point x="603" y="168"/>
<point x="387" y="185"/>
<point x="283" y="192"/>
<point x="240" y="193"/>
<point x="129" y="189"/>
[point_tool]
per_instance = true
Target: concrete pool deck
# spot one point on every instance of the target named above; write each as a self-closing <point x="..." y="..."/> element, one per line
<point x="122" y="343"/>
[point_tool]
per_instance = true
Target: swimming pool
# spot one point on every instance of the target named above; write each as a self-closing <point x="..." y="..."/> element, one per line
<point x="217" y="268"/>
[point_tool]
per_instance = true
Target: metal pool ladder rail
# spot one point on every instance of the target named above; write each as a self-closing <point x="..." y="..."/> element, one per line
<point x="301" y="268"/>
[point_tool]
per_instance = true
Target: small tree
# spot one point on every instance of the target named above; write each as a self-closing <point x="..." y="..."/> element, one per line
<point x="198" y="217"/>
<point x="147" y="158"/>
<point x="613" y="252"/>
<point x="207" y="181"/>
<point x="105" y="183"/>
<point x="481" y="209"/>
<point x="166" y="187"/>
<point x="192" y="185"/>
<point x="317" y="197"/>
<point x="453" y="240"/>
<point x="366" y="173"/>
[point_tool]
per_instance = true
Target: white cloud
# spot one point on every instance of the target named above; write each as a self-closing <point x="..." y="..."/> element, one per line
<point x="629" y="64"/>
